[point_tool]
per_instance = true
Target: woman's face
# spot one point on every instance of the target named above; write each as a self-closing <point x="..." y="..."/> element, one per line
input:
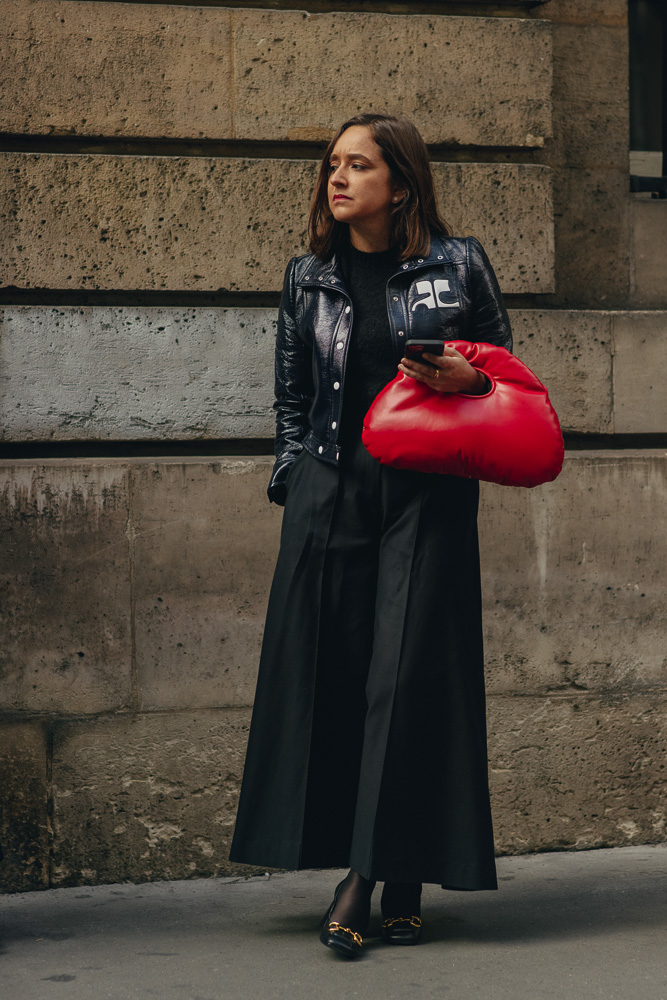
<point x="360" y="188"/>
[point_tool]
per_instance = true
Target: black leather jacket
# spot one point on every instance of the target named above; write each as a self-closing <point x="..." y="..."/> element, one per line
<point x="452" y="293"/>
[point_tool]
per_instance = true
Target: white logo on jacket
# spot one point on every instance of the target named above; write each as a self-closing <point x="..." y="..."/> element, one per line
<point x="431" y="293"/>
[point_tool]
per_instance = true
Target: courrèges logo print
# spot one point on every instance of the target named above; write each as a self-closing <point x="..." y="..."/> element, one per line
<point x="432" y="295"/>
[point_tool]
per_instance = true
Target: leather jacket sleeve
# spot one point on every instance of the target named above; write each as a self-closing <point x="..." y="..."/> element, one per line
<point x="489" y="322"/>
<point x="294" y="389"/>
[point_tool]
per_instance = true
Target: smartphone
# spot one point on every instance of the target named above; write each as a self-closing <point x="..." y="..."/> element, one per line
<point x="415" y="348"/>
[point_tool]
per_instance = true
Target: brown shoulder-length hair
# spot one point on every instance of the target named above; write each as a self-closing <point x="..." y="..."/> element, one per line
<point x="413" y="219"/>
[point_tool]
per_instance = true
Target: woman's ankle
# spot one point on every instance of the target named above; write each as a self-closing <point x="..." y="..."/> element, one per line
<point x="401" y="899"/>
<point x="353" y="905"/>
<point x="356" y="880"/>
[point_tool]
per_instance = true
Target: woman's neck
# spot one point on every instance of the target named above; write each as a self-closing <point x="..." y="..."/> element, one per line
<point x="371" y="240"/>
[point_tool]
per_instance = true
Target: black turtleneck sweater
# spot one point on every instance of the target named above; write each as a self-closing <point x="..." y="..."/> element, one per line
<point x="371" y="360"/>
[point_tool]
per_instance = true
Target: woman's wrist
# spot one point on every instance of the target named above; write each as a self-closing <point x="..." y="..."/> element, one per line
<point x="478" y="386"/>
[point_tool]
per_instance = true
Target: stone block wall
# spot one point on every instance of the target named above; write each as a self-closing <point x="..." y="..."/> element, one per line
<point x="155" y="181"/>
<point x="131" y="657"/>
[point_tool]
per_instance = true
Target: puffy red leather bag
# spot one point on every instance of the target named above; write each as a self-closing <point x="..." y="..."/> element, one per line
<point x="510" y="435"/>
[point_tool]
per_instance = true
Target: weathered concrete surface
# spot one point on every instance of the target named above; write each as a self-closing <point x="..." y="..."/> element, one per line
<point x="469" y="80"/>
<point x="649" y="253"/>
<point x="590" y="152"/>
<point x="572" y="601"/>
<point x="640" y="365"/>
<point x="132" y="373"/>
<point x="574" y="615"/>
<point x="573" y="576"/>
<point x="498" y="202"/>
<point x="24" y="834"/>
<point x="591" y="208"/>
<point x="91" y="373"/>
<point x="80" y="221"/>
<point x="64" y="586"/>
<point x="570" y="352"/>
<point x="591" y="101"/>
<point x="132" y="70"/>
<point x="613" y="13"/>
<point x="586" y="924"/>
<point x="206" y="542"/>
<point x="145" y="796"/>
<point x="206" y="72"/>
<point x="154" y="796"/>
<point x="572" y="772"/>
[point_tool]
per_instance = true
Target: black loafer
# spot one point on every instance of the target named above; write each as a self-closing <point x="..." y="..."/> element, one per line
<point x="343" y="940"/>
<point x="401" y="930"/>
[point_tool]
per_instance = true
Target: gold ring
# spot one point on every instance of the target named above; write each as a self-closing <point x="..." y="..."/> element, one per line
<point x="437" y="373"/>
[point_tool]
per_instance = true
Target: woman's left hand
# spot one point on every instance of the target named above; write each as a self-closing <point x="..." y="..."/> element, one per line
<point x="452" y="373"/>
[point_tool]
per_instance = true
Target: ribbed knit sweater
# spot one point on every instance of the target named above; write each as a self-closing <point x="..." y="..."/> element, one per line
<point x="371" y="360"/>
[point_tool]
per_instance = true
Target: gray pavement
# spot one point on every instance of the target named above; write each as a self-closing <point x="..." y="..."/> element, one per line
<point x="581" y="926"/>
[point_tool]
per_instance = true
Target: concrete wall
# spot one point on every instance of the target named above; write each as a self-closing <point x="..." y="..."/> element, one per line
<point x="207" y="373"/>
<point x="130" y="705"/>
<point x="154" y="183"/>
<point x="207" y="72"/>
<point x="110" y="227"/>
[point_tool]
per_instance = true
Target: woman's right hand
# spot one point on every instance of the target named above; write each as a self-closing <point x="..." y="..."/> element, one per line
<point x="452" y="373"/>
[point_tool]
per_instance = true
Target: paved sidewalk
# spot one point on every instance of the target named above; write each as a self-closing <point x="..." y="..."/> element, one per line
<point x="577" y="926"/>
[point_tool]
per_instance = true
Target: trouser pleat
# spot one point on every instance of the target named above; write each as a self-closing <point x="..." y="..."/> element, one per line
<point x="270" y="815"/>
<point x="389" y="630"/>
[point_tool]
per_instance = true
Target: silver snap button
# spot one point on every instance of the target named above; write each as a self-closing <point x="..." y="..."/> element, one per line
<point x="439" y="256"/>
<point x="336" y="385"/>
<point x="333" y="426"/>
<point x="420" y="260"/>
<point x="347" y="309"/>
<point x="400" y="333"/>
<point x="307" y="278"/>
<point x="339" y="346"/>
<point x="320" y="449"/>
<point x="395" y="298"/>
<point x="405" y="267"/>
<point x="333" y="281"/>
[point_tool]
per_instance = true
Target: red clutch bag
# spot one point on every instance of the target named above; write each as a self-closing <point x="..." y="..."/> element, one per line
<point x="510" y="435"/>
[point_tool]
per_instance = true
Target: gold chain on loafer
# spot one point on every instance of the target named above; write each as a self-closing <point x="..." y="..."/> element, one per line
<point x="356" y="937"/>
<point x="390" y="921"/>
<point x="402" y="930"/>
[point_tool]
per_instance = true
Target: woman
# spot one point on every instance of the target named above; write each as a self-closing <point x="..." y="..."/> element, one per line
<point x="367" y="745"/>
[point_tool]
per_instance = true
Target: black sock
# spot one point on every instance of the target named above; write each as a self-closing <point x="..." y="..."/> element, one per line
<point x="353" y="905"/>
<point x="401" y="899"/>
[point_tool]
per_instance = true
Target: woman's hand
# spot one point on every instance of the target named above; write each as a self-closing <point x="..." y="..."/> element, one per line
<point x="452" y="373"/>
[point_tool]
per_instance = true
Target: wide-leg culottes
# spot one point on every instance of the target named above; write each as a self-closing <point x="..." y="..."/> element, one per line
<point x="367" y="744"/>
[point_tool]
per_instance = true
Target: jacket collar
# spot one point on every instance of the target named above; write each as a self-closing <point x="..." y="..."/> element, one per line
<point x="328" y="273"/>
<point x="320" y="272"/>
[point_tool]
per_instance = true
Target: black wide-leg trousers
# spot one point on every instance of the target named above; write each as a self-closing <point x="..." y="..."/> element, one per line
<point x="367" y="744"/>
